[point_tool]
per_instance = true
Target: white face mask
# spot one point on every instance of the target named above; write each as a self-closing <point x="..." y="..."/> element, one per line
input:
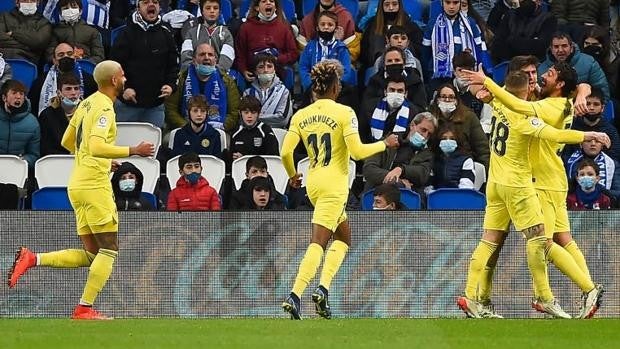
<point x="262" y="17"/>
<point x="28" y="8"/>
<point x="266" y="78"/>
<point x="395" y="99"/>
<point x="446" y="107"/>
<point x="70" y="15"/>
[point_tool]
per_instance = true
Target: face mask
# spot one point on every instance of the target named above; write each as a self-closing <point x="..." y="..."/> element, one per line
<point x="192" y="178"/>
<point x="417" y="140"/>
<point x="461" y="84"/>
<point x="593" y="50"/>
<point x="526" y="8"/>
<point x="390" y="16"/>
<point x="265" y="79"/>
<point x="264" y="18"/>
<point x="586" y="182"/>
<point x="395" y="99"/>
<point x="28" y="8"/>
<point x="210" y="22"/>
<point x="325" y="36"/>
<point x="446" y="107"/>
<point x="381" y="208"/>
<point x="70" y="15"/>
<point x="66" y="64"/>
<point x="205" y="70"/>
<point x="592" y="117"/>
<point x="394" y="69"/>
<point x="69" y="105"/>
<point x="127" y="184"/>
<point x="448" y="146"/>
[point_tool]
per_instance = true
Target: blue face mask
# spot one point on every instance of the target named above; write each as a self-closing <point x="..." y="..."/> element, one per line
<point x="205" y="70"/>
<point x="417" y="140"/>
<point x="586" y="182"/>
<point x="192" y="178"/>
<point x="448" y="146"/>
<point x="127" y="184"/>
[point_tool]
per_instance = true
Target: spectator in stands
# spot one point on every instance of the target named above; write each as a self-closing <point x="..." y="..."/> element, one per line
<point x="54" y="119"/>
<point x="193" y="192"/>
<point x="390" y="13"/>
<point x="594" y="121"/>
<point x="448" y="34"/>
<point x="596" y="44"/>
<point x="386" y="197"/>
<point x="397" y="36"/>
<point x="526" y="30"/>
<point x="271" y="93"/>
<point x="127" y="184"/>
<point x="465" y="61"/>
<point x="45" y="87"/>
<point x="391" y="114"/>
<point x="589" y="193"/>
<point x="85" y="39"/>
<point x="449" y="109"/>
<point x="260" y="192"/>
<point x="266" y="30"/>
<point x="394" y="65"/>
<point x="410" y="165"/>
<point x="574" y="16"/>
<point x="256" y="166"/>
<point x="19" y="129"/>
<point x="345" y="31"/>
<point x="148" y="54"/>
<point x="499" y="12"/>
<point x="208" y="29"/>
<point x="6" y="72"/>
<point x="197" y="135"/>
<point x="203" y="78"/>
<point x="563" y="49"/>
<point x="253" y="137"/>
<point x="453" y="167"/>
<point x="609" y="168"/>
<point x="25" y="33"/>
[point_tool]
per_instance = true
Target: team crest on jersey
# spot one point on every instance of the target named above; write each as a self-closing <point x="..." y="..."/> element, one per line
<point x="205" y="143"/>
<point x="102" y="122"/>
<point x="536" y="122"/>
<point x="258" y="141"/>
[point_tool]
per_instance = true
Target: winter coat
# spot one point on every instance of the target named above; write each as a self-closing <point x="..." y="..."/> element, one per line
<point x="30" y="35"/>
<point x="602" y="126"/>
<point x="20" y="135"/>
<point x="239" y="198"/>
<point x="205" y="142"/>
<point x="309" y="57"/>
<point x="195" y="32"/>
<point x="471" y="129"/>
<point x="449" y="170"/>
<point x="132" y="200"/>
<point x="373" y="45"/>
<point x="257" y="140"/>
<point x="90" y="87"/>
<point x="199" y="197"/>
<point x="416" y="92"/>
<point x="276" y="104"/>
<point x="53" y="123"/>
<point x="84" y="37"/>
<point x="581" y="11"/>
<point x="603" y="202"/>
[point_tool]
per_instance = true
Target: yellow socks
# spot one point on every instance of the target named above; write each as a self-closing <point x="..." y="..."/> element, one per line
<point x="567" y="265"/>
<point x="65" y="259"/>
<point x="537" y="264"/>
<point x="485" y="285"/>
<point x="575" y="252"/>
<point x="478" y="262"/>
<point x="98" y="275"/>
<point x="333" y="259"/>
<point x="307" y="268"/>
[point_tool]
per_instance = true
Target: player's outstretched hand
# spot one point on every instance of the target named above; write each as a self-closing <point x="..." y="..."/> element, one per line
<point x="599" y="137"/>
<point x="295" y="181"/>
<point x="391" y="141"/>
<point x="143" y="149"/>
<point x="474" y="77"/>
<point x="115" y="166"/>
<point x="484" y="95"/>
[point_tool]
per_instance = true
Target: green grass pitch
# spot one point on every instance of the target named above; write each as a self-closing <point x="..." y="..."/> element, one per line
<point x="312" y="333"/>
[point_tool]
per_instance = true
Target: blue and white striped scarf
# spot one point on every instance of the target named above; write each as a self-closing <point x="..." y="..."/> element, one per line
<point x="443" y="40"/>
<point x="381" y="113"/>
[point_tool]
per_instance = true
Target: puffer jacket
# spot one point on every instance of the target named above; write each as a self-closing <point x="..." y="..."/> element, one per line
<point x="20" y="135"/>
<point x="129" y="200"/>
<point x="581" y="11"/>
<point x="84" y="37"/>
<point x="30" y="35"/>
<point x="199" y="197"/>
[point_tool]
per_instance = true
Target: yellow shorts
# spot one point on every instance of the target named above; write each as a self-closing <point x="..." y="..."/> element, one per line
<point x="95" y="211"/>
<point x="329" y="208"/>
<point x="510" y="203"/>
<point x="554" y="209"/>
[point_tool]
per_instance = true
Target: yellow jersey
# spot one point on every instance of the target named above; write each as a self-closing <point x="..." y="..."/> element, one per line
<point x="94" y="116"/>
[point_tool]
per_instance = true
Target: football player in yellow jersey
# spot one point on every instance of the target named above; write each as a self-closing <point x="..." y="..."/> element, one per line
<point x="329" y="132"/>
<point x="91" y="135"/>
<point x="550" y="181"/>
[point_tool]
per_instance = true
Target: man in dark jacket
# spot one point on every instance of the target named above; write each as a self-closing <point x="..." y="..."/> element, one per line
<point x="55" y="118"/>
<point x="24" y="32"/>
<point x="256" y="166"/>
<point x="127" y="184"/>
<point x="148" y="54"/>
<point x="253" y="137"/>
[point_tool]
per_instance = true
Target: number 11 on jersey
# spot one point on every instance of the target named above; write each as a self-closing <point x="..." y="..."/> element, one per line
<point x="326" y="143"/>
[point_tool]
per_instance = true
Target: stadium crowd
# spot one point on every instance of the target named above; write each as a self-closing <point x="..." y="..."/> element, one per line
<point x="223" y="78"/>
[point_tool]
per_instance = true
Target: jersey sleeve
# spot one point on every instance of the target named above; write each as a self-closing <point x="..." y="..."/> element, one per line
<point x="102" y="123"/>
<point x="350" y="124"/>
<point x="512" y="102"/>
<point x="538" y="128"/>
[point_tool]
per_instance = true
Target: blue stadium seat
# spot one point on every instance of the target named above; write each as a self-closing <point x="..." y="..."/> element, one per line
<point x="114" y="33"/>
<point x="150" y="198"/>
<point x="6" y="6"/>
<point x="609" y="112"/>
<point x="23" y="71"/>
<point x="226" y="10"/>
<point x="415" y="9"/>
<point x="87" y="66"/>
<point x="51" y="198"/>
<point x="410" y="199"/>
<point x="500" y="71"/>
<point x="456" y="199"/>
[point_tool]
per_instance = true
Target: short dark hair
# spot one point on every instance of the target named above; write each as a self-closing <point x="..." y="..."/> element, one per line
<point x="250" y="103"/>
<point x="389" y="192"/>
<point x="14" y="85"/>
<point x="188" y="158"/>
<point x="264" y="57"/>
<point x="259" y="182"/>
<point x="202" y="3"/>
<point x="588" y="162"/>
<point x="597" y="93"/>
<point x="63" y="3"/>
<point x="396" y="29"/>
<point x="257" y="162"/>
<point x="394" y="48"/>
<point x="561" y="35"/>
<point x="516" y="80"/>
<point x="518" y="62"/>
<point x="68" y="78"/>
<point x="397" y="79"/>
<point x="568" y="75"/>
<point x="197" y="101"/>
<point x="463" y="59"/>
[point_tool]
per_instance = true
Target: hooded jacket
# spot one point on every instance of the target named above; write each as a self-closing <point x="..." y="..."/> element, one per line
<point x="20" y="134"/>
<point x="239" y="198"/>
<point x="132" y="200"/>
<point x="199" y="197"/>
<point x="274" y="201"/>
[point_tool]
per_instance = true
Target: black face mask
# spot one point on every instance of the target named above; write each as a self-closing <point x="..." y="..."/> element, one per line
<point x="592" y="117"/>
<point x="16" y="110"/>
<point x="66" y="64"/>
<point x="394" y="69"/>
<point x="390" y="16"/>
<point x="327" y="36"/>
<point x="593" y="50"/>
<point x="210" y="22"/>
<point x="327" y="7"/>
<point x="526" y="8"/>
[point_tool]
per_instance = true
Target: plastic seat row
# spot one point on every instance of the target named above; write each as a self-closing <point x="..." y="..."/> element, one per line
<point x="441" y="199"/>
